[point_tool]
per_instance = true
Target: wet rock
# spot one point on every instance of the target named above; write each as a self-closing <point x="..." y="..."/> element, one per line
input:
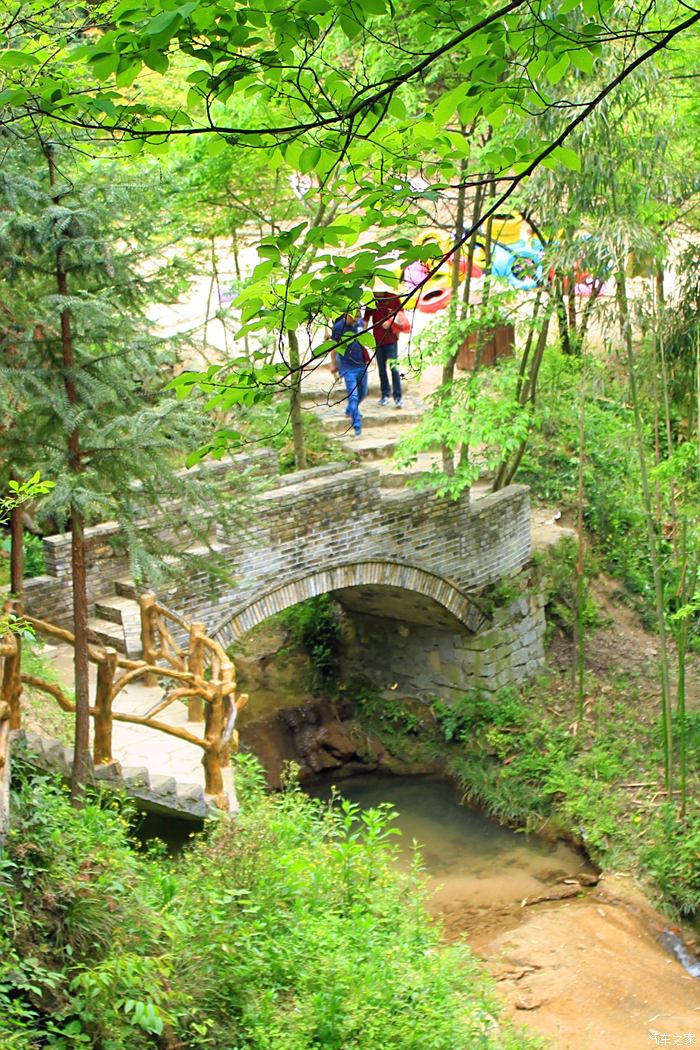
<point x="527" y="1003"/>
<point x="550" y="875"/>
<point x="336" y="739"/>
<point x="557" y="893"/>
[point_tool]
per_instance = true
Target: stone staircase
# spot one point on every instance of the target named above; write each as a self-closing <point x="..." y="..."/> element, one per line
<point x="382" y="427"/>
<point x="152" y="792"/>
<point x="117" y="620"/>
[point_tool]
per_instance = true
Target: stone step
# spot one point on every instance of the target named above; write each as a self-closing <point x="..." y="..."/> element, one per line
<point x="125" y="588"/>
<point x="369" y="446"/>
<point x="105" y="632"/>
<point x="391" y="477"/>
<point x="334" y="421"/>
<point x="153" y="792"/>
<point x="113" y="608"/>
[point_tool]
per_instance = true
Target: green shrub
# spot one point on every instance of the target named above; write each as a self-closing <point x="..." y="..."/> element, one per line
<point x="613" y="509"/>
<point x="672" y="856"/>
<point x="314" y="626"/>
<point x="459" y="719"/>
<point x="291" y="929"/>
<point x="557" y="565"/>
<point x="34" y="564"/>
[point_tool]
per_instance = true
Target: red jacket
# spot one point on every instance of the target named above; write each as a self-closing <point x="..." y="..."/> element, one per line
<point x="386" y="305"/>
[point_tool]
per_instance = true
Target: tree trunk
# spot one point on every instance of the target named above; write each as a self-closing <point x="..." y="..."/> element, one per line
<point x="17" y="555"/>
<point x="81" y="756"/>
<point x="82" y="666"/>
<point x="448" y="368"/>
<point x="580" y="581"/>
<point x="295" y="401"/>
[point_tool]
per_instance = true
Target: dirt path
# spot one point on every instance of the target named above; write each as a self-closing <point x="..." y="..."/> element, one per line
<point x="590" y="973"/>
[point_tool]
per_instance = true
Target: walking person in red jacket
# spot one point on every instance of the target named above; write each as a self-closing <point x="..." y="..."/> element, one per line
<point x="381" y="320"/>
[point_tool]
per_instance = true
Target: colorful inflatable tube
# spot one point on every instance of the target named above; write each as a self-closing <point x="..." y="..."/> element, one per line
<point x="520" y="264"/>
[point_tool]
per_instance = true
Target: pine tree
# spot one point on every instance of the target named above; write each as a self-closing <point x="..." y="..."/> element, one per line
<point x="82" y="376"/>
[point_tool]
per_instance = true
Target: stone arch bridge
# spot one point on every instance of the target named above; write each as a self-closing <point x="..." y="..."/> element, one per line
<point x="413" y="572"/>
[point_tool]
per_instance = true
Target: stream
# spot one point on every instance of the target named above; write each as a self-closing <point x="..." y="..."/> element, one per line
<point x="476" y="867"/>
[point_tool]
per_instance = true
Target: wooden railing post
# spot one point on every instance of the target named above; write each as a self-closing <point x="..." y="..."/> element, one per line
<point x="102" y="744"/>
<point x="148" y="636"/>
<point x="11" y="688"/>
<point x="195" y="662"/>
<point x="214" y="750"/>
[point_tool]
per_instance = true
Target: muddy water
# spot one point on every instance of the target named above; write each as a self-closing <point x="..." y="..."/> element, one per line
<point x="475" y="866"/>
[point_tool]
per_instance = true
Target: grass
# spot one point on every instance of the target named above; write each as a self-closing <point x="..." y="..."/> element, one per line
<point x="40" y="711"/>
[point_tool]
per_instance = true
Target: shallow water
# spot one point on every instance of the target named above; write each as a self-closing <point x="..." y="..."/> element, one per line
<point x="472" y="861"/>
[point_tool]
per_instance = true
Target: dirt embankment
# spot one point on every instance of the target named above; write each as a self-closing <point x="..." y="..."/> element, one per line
<point x="591" y="973"/>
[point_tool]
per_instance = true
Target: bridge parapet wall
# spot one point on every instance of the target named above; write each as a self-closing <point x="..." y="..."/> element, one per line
<point x="310" y="524"/>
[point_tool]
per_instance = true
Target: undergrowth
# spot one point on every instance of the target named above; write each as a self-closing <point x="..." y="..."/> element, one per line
<point x="290" y="930"/>
<point x="613" y="511"/>
<point x="314" y="627"/>
<point x="41" y="711"/>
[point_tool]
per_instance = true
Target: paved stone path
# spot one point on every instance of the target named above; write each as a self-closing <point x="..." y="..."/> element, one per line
<point x="135" y="745"/>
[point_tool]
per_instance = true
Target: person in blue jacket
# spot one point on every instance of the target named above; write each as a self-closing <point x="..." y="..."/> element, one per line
<point x="350" y="361"/>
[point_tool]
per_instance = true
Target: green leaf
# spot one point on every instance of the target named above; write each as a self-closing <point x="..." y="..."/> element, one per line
<point x="13" y="96"/>
<point x="583" y="60"/>
<point x="372" y="7"/>
<point x="156" y="61"/>
<point x="309" y="158"/>
<point x="447" y="105"/>
<point x="535" y="67"/>
<point x="568" y="157"/>
<point x="106" y="65"/>
<point x="163" y="23"/>
<point x="557" y="71"/>
<point x="12" y="59"/>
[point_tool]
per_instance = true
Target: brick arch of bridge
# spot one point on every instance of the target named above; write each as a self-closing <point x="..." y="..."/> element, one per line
<point x="378" y="574"/>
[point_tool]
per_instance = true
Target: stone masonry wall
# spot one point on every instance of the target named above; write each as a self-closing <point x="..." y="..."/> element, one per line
<point x="319" y="523"/>
<point x="48" y="597"/>
<point x="423" y="662"/>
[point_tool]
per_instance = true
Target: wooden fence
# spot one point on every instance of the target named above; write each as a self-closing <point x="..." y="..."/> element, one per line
<point x="196" y="669"/>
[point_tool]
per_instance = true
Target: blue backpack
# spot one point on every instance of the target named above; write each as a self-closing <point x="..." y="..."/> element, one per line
<point x="353" y="352"/>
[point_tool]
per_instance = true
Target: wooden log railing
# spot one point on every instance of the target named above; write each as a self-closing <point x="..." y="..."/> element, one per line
<point x="9" y="648"/>
<point x="198" y="671"/>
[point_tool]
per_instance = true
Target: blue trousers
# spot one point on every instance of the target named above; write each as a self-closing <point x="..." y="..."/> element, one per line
<point x="388" y="354"/>
<point x="356" y="386"/>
